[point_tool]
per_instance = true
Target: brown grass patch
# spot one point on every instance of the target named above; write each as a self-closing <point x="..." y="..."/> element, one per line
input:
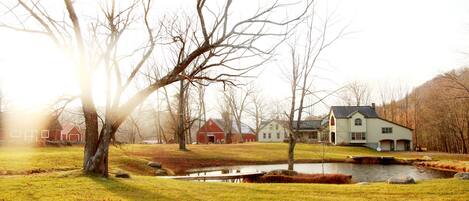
<point x="307" y="178"/>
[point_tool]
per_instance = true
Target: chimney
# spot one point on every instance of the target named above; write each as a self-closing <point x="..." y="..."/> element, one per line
<point x="373" y="106"/>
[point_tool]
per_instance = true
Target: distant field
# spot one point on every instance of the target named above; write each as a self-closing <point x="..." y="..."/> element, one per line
<point x="60" y="178"/>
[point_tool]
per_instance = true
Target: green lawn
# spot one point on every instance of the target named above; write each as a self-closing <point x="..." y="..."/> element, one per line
<point x="74" y="186"/>
<point x="64" y="180"/>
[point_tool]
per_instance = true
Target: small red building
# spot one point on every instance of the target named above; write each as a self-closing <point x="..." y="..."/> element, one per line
<point x="71" y="133"/>
<point x="213" y="132"/>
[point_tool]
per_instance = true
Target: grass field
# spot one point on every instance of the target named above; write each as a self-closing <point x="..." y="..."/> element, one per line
<point x="60" y="177"/>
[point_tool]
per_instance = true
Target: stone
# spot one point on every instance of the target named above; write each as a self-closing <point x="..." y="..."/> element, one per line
<point x="282" y="172"/>
<point x="161" y="172"/>
<point x="122" y="174"/>
<point x="427" y="158"/>
<point x="401" y="180"/>
<point x="462" y="175"/>
<point x="154" y="164"/>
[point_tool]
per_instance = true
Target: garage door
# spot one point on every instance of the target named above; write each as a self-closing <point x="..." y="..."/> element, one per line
<point x="402" y="145"/>
<point x="385" y="145"/>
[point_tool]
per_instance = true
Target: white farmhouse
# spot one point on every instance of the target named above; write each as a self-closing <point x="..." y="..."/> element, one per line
<point x="272" y="131"/>
<point x="276" y="131"/>
<point x="361" y="125"/>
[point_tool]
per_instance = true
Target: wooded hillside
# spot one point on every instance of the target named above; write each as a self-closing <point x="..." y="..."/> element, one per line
<point x="438" y="111"/>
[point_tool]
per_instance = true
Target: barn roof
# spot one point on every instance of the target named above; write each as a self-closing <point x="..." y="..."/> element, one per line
<point x="68" y="127"/>
<point x="245" y="129"/>
<point x="347" y="111"/>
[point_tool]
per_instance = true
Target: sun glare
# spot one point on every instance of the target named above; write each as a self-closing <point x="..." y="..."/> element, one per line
<point x="34" y="72"/>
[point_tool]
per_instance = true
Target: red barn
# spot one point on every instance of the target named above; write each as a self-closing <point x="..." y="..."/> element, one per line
<point x="71" y="133"/>
<point x="213" y="132"/>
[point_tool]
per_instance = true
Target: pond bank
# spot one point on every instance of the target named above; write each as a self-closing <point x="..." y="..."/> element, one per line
<point x="455" y="166"/>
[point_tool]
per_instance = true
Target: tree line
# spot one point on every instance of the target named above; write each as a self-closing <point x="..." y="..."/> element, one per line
<point x="438" y="112"/>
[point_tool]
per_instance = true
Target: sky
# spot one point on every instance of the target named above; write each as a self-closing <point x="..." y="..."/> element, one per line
<point x="392" y="42"/>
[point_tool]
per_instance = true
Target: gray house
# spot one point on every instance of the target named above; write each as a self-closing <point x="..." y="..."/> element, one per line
<point x="361" y="125"/>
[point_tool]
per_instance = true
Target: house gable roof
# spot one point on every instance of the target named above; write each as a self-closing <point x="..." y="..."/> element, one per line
<point x="347" y="111"/>
<point x="245" y="129"/>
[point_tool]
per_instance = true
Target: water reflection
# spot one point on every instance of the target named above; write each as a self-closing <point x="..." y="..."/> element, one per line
<point x="359" y="172"/>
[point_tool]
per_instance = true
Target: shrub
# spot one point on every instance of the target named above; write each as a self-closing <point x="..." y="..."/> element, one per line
<point x="307" y="178"/>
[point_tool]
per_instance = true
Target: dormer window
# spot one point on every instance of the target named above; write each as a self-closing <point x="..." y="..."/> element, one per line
<point x="358" y="122"/>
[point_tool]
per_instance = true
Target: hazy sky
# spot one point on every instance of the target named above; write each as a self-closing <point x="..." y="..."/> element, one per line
<point x="394" y="41"/>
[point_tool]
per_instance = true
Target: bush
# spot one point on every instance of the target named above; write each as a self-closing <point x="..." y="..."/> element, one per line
<point x="307" y="178"/>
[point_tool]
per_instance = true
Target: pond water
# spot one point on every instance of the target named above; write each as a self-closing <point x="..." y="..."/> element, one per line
<point x="359" y="172"/>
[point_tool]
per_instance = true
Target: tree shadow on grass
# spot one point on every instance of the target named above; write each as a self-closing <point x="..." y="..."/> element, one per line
<point x="124" y="189"/>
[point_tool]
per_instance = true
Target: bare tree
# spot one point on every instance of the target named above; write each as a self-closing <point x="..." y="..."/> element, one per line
<point x="356" y="93"/>
<point x="208" y="43"/>
<point x="237" y="99"/>
<point x="202" y="112"/>
<point x="301" y="74"/>
<point x="257" y="110"/>
<point x="227" y="117"/>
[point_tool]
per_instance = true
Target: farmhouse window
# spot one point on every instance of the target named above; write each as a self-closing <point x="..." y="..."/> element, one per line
<point x="358" y="136"/>
<point x="332" y="121"/>
<point x="263" y="134"/>
<point x="270" y="135"/>
<point x="358" y="122"/>
<point x="278" y="135"/>
<point x="313" y="135"/>
<point x="386" y="130"/>
<point x="45" y="134"/>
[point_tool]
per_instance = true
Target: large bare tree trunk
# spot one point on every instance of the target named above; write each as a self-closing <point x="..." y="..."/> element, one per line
<point x="181" y="120"/>
<point x="291" y="152"/>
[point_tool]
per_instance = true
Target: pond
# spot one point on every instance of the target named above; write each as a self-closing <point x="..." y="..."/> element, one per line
<point x="359" y="172"/>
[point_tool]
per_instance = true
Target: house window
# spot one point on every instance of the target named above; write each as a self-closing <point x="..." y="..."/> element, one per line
<point x="313" y="135"/>
<point x="263" y="134"/>
<point x="45" y="134"/>
<point x="278" y="135"/>
<point x="358" y="122"/>
<point x="285" y="134"/>
<point x="332" y="121"/>
<point x="358" y="136"/>
<point x="385" y="130"/>
<point x="276" y="126"/>
<point x="271" y="126"/>
<point x="270" y="135"/>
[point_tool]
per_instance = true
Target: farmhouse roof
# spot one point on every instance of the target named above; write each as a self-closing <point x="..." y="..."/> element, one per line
<point x="347" y="111"/>
<point x="304" y="125"/>
<point x="308" y="124"/>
